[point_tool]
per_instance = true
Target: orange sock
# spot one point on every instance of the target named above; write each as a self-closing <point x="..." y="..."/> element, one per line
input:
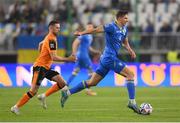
<point x="23" y="100"/>
<point x="52" y="90"/>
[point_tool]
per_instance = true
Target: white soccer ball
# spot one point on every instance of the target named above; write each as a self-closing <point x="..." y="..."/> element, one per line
<point x="146" y="108"/>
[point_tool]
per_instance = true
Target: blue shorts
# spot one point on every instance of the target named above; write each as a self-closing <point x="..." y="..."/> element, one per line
<point x="110" y="63"/>
<point x="83" y="63"/>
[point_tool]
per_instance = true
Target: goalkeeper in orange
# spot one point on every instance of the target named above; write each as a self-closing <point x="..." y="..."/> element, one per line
<point x="41" y="68"/>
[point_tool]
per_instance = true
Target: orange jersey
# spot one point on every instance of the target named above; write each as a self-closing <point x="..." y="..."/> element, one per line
<point x="49" y="45"/>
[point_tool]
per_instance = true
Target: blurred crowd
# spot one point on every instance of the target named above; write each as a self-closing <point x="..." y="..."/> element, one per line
<point x="30" y="17"/>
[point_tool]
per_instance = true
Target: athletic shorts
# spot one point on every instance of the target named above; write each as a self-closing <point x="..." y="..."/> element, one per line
<point x="39" y="73"/>
<point x="109" y="63"/>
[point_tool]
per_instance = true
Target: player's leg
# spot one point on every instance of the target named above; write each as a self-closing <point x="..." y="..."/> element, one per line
<point x="130" y="83"/>
<point x="73" y="75"/>
<point x="89" y="91"/>
<point x="36" y="81"/>
<point x="60" y="84"/>
<point x="94" y="80"/>
<point x="131" y="88"/>
<point x="120" y="68"/>
<point x="97" y="76"/>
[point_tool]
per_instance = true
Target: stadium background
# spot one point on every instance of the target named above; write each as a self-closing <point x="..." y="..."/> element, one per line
<point x="154" y="33"/>
<point x="154" y="27"/>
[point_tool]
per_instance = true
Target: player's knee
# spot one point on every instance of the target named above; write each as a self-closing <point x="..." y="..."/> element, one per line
<point x="31" y="93"/>
<point x="130" y="76"/>
<point x="61" y="84"/>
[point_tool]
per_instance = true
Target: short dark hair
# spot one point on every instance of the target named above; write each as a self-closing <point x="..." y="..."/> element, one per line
<point x="53" y="22"/>
<point x="80" y="27"/>
<point x="121" y="13"/>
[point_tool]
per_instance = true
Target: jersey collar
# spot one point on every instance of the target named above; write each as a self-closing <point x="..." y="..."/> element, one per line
<point x="120" y="28"/>
<point x="51" y="34"/>
<point x="115" y="21"/>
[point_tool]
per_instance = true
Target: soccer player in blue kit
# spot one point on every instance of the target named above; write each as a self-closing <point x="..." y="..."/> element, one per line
<point x="80" y="48"/>
<point x="115" y="37"/>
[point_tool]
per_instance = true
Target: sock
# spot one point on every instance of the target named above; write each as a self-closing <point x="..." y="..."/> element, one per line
<point x="131" y="89"/>
<point x="70" y="79"/>
<point x="78" y="87"/>
<point x="52" y="90"/>
<point x="65" y="88"/>
<point x="25" y="98"/>
<point x="132" y="101"/>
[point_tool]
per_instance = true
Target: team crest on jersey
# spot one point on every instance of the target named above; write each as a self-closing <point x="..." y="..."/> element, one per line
<point x="120" y="64"/>
<point x="52" y="45"/>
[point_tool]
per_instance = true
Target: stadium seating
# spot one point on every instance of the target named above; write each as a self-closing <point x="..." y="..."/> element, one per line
<point x="98" y="12"/>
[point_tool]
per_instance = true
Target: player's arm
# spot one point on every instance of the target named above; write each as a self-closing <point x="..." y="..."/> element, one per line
<point x="129" y="49"/>
<point x="98" y="29"/>
<point x="57" y="58"/>
<point x="75" y="46"/>
<point x="94" y="51"/>
<point x="40" y="46"/>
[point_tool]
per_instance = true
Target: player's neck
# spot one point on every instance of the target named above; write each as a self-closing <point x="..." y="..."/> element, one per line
<point x="51" y="33"/>
<point x="118" y="24"/>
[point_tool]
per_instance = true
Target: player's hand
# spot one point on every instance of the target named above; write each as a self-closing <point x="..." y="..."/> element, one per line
<point x="72" y="58"/>
<point x="133" y="54"/>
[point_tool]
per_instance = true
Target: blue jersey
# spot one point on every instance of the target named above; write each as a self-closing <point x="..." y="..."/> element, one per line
<point x="114" y="37"/>
<point x="84" y="60"/>
<point x="85" y="43"/>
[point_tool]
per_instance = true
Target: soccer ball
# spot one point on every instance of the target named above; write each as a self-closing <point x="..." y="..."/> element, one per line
<point x="146" y="108"/>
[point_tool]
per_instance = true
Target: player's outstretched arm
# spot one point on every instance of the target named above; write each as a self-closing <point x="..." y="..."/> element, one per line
<point x="129" y="49"/>
<point x="56" y="58"/>
<point x="98" y="29"/>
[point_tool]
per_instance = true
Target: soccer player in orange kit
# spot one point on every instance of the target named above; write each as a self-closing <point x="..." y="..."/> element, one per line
<point x="41" y="68"/>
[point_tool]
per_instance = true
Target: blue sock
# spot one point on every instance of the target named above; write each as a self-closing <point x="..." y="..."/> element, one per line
<point x="131" y="89"/>
<point x="82" y="85"/>
<point x="70" y="79"/>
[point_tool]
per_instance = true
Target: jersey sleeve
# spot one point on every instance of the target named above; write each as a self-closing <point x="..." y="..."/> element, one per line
<point x="109" y="28"/>
<point x="79" y="38"/>
<point x="52" y="46"/>
<point x="90" y="38"/>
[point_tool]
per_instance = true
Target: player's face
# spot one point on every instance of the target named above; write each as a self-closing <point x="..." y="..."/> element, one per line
<point x="123" y="20"/>
<point x="89" y="26"/>
<point x="56" y="29"/>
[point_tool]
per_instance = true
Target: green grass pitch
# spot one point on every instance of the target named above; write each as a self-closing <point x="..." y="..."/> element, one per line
<point x="108" y="106"/>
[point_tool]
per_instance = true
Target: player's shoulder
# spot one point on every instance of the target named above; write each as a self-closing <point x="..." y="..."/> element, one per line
<point x="110" y="24"/>
<point x="50" y="37"/>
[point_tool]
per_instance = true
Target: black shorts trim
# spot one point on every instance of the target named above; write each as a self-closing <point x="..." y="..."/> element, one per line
<point x="44" y="73"/>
